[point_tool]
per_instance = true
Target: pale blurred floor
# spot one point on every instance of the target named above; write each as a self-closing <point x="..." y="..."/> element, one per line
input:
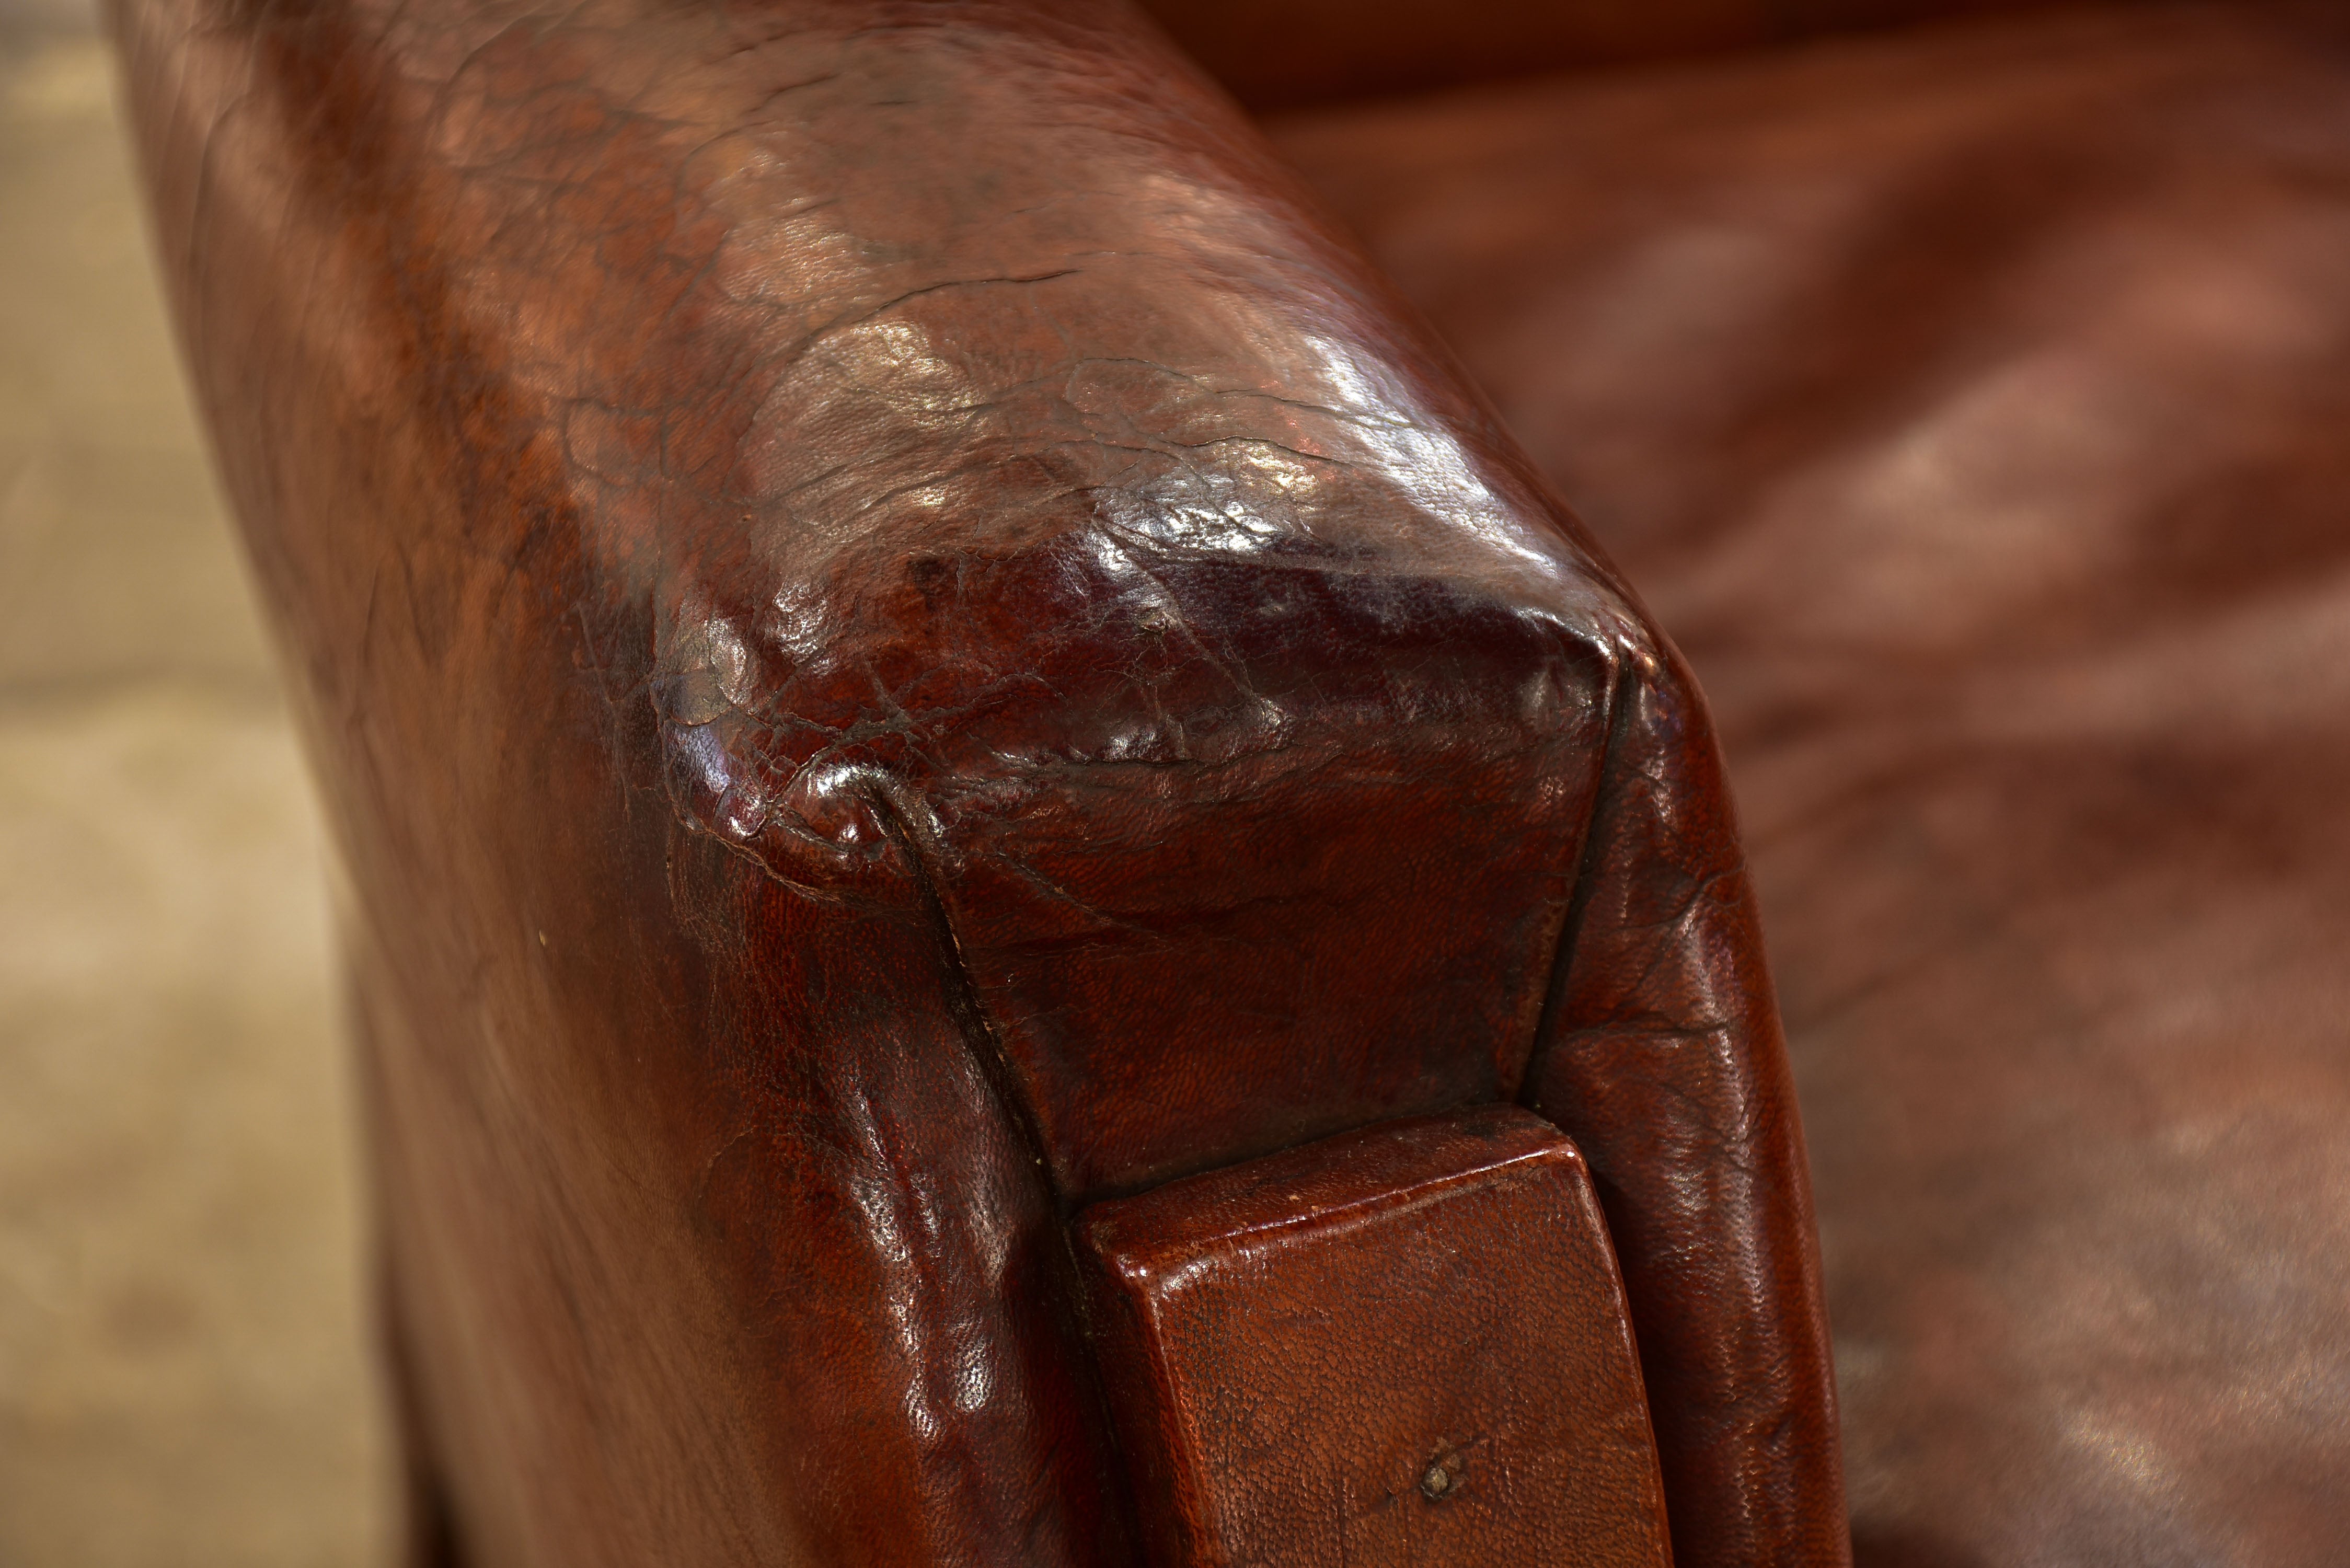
<point x="183" y="1378"/>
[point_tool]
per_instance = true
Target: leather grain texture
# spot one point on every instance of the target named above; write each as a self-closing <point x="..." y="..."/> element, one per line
<point x="1404" y="1345"/>
<point x="899" y="636"/>
<point x="1970" y="405"/>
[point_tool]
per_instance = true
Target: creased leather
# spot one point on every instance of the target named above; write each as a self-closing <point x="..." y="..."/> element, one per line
<point x="897" y="636"/>
<point x="1662" y="1059"/>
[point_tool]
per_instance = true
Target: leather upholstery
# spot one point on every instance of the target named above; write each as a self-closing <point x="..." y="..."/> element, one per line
<point x="899" y="637"/>
<point x="1429" y="1407"/>
<point x="1281" y="54"/>
<point x="1971" y="406"/>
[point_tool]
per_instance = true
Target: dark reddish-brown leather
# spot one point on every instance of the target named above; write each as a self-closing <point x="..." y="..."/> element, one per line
<point x="1973" y="406"/>
<point x="899" y="638"/>
<point x="1330" y="1357"/>
<point x="1285" y="53"/>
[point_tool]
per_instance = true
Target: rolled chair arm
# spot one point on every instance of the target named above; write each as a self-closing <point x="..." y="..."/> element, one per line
<point x="899" y="641"/>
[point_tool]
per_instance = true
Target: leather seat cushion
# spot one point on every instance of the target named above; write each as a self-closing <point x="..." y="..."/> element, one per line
<point x="1972" y="405"/>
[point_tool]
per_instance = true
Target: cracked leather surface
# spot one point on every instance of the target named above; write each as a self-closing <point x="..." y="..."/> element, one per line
<point x="1970" y="406"/>
<point x="897" y="638"/>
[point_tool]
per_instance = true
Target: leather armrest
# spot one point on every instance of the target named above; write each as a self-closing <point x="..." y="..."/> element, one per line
<point x="900" y="639"/>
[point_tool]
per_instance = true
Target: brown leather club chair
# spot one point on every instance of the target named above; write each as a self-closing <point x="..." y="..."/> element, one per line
<point x="1019" y="895"/>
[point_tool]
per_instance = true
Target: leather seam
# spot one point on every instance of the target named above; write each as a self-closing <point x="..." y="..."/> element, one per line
<point x="980" y="1038"/>
<point x="1578" y="905"/>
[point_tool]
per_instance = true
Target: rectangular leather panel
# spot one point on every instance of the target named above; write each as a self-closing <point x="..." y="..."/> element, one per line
<point x="1403" y="1344"/>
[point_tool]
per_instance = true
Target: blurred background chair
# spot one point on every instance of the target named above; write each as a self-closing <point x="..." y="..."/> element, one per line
<point x="1969" y="402"/>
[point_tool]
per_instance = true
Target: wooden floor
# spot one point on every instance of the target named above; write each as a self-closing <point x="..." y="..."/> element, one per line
<point x="183" y="1378"/>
